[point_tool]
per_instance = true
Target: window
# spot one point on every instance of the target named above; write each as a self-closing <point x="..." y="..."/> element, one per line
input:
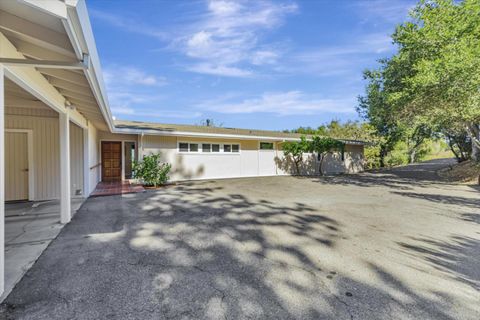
<point x="187" y="147"/>
<point x="266" y="145"/>
<point x="130" y="156"/>
<point x="193" y="147"/>
<point x="183" y="147"/>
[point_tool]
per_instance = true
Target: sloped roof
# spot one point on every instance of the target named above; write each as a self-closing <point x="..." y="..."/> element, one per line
<point x="171" y="129"/>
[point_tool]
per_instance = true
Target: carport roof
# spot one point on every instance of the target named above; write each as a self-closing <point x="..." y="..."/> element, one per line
<point x="207" y="131"/>
<point x="58" y="31"/>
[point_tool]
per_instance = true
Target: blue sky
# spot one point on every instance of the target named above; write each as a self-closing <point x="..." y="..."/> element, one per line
<point x="248" y="64"/>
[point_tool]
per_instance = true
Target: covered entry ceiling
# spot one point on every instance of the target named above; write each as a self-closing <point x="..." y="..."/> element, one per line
<point x="41" y="36"/>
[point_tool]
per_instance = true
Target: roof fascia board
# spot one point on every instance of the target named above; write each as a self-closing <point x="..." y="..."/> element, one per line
<point x="53" y="7"/>
<point x="214" y="135"/>
<point x="200" y="135"/>
<point x="79" y="27"/>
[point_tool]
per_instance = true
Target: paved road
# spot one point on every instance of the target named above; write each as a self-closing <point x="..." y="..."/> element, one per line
<point x="397" y="244"/>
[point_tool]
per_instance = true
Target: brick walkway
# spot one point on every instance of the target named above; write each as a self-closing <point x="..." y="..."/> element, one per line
<point x="114" y="188"/>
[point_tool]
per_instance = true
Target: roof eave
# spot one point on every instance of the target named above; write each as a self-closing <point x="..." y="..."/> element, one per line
<point x="80" y="33"/>
<point x="191" y="134"/>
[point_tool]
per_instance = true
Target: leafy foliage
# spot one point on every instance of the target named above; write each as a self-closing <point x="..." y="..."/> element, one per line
<point x="296" y="149"/>
<point x="316" y="144"/>
<point x="324" y="145"/>
<point x="433" y="81"/>
<point x="152" y="171"/>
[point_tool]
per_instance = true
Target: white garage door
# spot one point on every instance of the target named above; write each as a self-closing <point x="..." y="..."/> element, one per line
<point x="266" y="159"/>
<point x="16" y="166"/>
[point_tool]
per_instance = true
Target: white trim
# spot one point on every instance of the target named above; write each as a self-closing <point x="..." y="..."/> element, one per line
<point x="31" y="168"/>
<point x="200" y="148"/>
<point x="86" y="163"/>
<point x="37" y="94"/>
<point x="187" y="134"/>
<point x="80" y="33"/>
<point x="2" y="179"/>
<point x="52" y="64"/>
<point x="266" y="150"/>
<point x="123" y="155"/>
<point x="65" y="196"/>
<point x="199" y="135"/>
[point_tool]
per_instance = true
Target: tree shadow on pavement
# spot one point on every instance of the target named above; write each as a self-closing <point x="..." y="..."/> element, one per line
<point x="195" y="251"/>
<point x="458" y="258"/>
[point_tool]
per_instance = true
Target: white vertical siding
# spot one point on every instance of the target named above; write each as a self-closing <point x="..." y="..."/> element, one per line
<point x="45" y="151"/>
<point x="46" y="157"/>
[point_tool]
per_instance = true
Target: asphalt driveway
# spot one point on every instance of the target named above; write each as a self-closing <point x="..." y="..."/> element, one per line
<point x="396" y="244"/>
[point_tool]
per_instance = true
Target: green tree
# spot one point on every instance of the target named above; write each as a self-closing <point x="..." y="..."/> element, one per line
<point x="438" y="67"/>
<point x="322" y="146"/>
<point x="296" y="149"/>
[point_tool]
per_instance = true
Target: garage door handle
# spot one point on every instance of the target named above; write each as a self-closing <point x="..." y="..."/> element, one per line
<point x="25" y="170"/>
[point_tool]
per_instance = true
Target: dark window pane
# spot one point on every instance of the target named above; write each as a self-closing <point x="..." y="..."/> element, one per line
<point x="227" y="148"/>
<point x="215" y="148"/>
<point x="235" y="148"/>
<point x="183" y="147"/>
<point x="206" y="147"/>
<point x="266" y="145"/>
<point x="193" y="147"/>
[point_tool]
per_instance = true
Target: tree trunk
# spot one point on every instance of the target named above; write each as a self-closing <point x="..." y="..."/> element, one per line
<point x="474" y="133"/>
<point x="457" y="156"/>
<point x="297" y="166"/>
<point x="383" y="154"/>
<point x="320" y="157"/>
<point x="413" y="153"/>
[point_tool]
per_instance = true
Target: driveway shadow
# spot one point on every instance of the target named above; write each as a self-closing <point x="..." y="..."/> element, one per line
<point x="196" y="251"/>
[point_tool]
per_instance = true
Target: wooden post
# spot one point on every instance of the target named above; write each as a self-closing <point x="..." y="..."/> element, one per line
<point x="65" y="211"/>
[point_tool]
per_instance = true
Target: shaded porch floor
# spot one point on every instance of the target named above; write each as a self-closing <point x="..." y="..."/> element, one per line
<point x="29" y="229"/>
<point x="116" y="188"/>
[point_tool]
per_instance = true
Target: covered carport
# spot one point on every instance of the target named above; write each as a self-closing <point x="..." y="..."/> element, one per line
<point x="51" y="106"/>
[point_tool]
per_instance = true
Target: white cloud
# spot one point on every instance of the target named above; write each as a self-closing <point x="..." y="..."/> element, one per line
<point x="125" y="76"/>
<point x="131" y="25"/>
<point x="264" y="57"/>
<point x="281" y="103"/>
<point x="155" y="113"/>
<point x="227" y="38"/>
<point x="391" y="11"/>
<point x="219" y="70"/>
<point x="130" y="89"/>
<point x="338" y="60"/>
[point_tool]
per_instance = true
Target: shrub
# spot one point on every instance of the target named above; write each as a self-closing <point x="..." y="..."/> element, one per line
<point x="151" y="170"/>
<point x="372" y="157"/>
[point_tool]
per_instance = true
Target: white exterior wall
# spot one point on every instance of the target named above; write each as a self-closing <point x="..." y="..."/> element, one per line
<point x="332" y="164"/>
<point x="46" y="161"/>
<point x="249" y="162"/>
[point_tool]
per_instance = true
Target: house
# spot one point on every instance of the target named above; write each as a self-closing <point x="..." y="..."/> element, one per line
<point x="58" y="138"/>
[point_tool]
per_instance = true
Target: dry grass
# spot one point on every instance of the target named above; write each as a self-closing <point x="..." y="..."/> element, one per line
<point x="465" y="172"/>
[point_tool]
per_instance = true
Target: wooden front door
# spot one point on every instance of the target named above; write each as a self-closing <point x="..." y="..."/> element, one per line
<point x="111" y="161"/>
